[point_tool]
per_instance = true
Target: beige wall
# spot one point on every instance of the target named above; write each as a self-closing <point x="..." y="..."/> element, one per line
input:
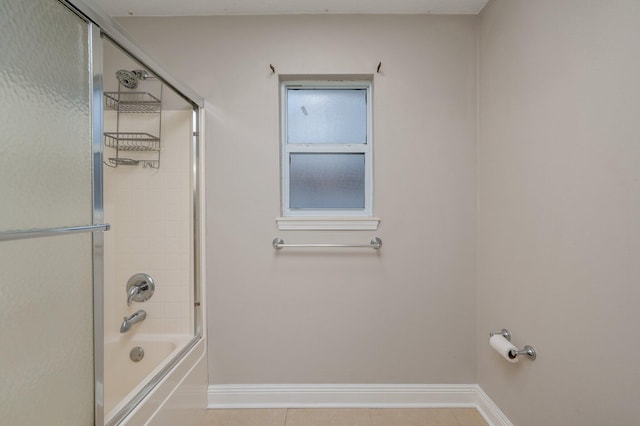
<point x="403" y="315"/>
<point x="559" y="190"/>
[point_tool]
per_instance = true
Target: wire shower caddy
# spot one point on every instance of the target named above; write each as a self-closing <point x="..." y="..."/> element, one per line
<point x="125" y="101"/>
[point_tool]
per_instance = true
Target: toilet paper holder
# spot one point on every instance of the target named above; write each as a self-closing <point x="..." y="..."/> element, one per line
<point x="528" y="350"/>
<point x="504" y="332"/>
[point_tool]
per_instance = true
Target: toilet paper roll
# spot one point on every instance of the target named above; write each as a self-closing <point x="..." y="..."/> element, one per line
<point x="503" y="347"/>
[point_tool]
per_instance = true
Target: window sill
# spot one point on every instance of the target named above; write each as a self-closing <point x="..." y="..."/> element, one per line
<point x="328" y="223"/>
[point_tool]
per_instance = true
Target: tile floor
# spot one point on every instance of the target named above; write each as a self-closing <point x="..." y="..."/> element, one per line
<point x="344" y="417"/>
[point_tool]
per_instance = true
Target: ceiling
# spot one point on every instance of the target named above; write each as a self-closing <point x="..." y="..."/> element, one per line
<point x="283" y="7"/>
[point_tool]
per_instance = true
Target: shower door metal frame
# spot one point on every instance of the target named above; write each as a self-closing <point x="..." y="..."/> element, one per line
<point x="97" y="117"/>
<point x="101" y="25"/>
<point x="114" y="32"/>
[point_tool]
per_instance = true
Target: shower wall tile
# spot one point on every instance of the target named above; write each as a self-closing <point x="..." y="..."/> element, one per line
<point x="149" y="211"/>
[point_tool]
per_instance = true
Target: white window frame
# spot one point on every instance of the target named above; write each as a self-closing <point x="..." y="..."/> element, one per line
<point x="327" y="218"/>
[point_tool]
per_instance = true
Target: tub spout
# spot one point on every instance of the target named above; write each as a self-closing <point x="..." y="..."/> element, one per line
<point x="132" y="319"/>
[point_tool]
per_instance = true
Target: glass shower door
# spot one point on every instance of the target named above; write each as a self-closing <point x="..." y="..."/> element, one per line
<point x="46" y="181"/>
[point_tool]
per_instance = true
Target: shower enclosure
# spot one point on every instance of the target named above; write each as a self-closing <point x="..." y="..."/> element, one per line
<point x="149" y="252"/>
<point x="100" y="272"/>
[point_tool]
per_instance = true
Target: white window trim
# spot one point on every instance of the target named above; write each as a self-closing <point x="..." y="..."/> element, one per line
<point x="328" y="223"/>
<point x="354" y="219"/>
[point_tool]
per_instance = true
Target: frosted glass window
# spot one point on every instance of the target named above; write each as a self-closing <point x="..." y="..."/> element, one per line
<point x="326" y="148"/>
<point x="331" y="116"/>
<point x="327" y="181"/>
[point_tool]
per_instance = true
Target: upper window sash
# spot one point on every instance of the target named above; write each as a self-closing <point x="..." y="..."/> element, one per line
<point x="326" y="115"/>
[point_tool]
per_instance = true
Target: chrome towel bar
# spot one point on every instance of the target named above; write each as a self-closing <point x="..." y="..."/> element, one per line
<point x="37" y="233"/>
<point x="376" y="244"/>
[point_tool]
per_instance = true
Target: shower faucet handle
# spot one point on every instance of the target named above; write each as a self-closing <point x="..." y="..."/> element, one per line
<point x="133" y="291"/>
<point x="140" y="288"/>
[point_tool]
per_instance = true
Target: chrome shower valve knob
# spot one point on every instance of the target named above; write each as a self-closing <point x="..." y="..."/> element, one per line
<point x="140" y="288"/>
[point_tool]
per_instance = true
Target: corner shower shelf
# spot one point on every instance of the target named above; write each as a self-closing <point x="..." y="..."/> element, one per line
<point x="132" y="141"/>
<point x="132" y="102"/>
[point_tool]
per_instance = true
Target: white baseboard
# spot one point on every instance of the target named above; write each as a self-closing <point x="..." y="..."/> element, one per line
<point x="490" y="411"/>
<point x="357" y="396"/>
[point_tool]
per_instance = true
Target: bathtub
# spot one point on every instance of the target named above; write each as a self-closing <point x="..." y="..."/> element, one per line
<point x="123" y="378"/>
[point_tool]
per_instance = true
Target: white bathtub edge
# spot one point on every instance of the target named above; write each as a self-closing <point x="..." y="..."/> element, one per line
<point x="123" y="345"/>
<point x="166" y="397"/>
